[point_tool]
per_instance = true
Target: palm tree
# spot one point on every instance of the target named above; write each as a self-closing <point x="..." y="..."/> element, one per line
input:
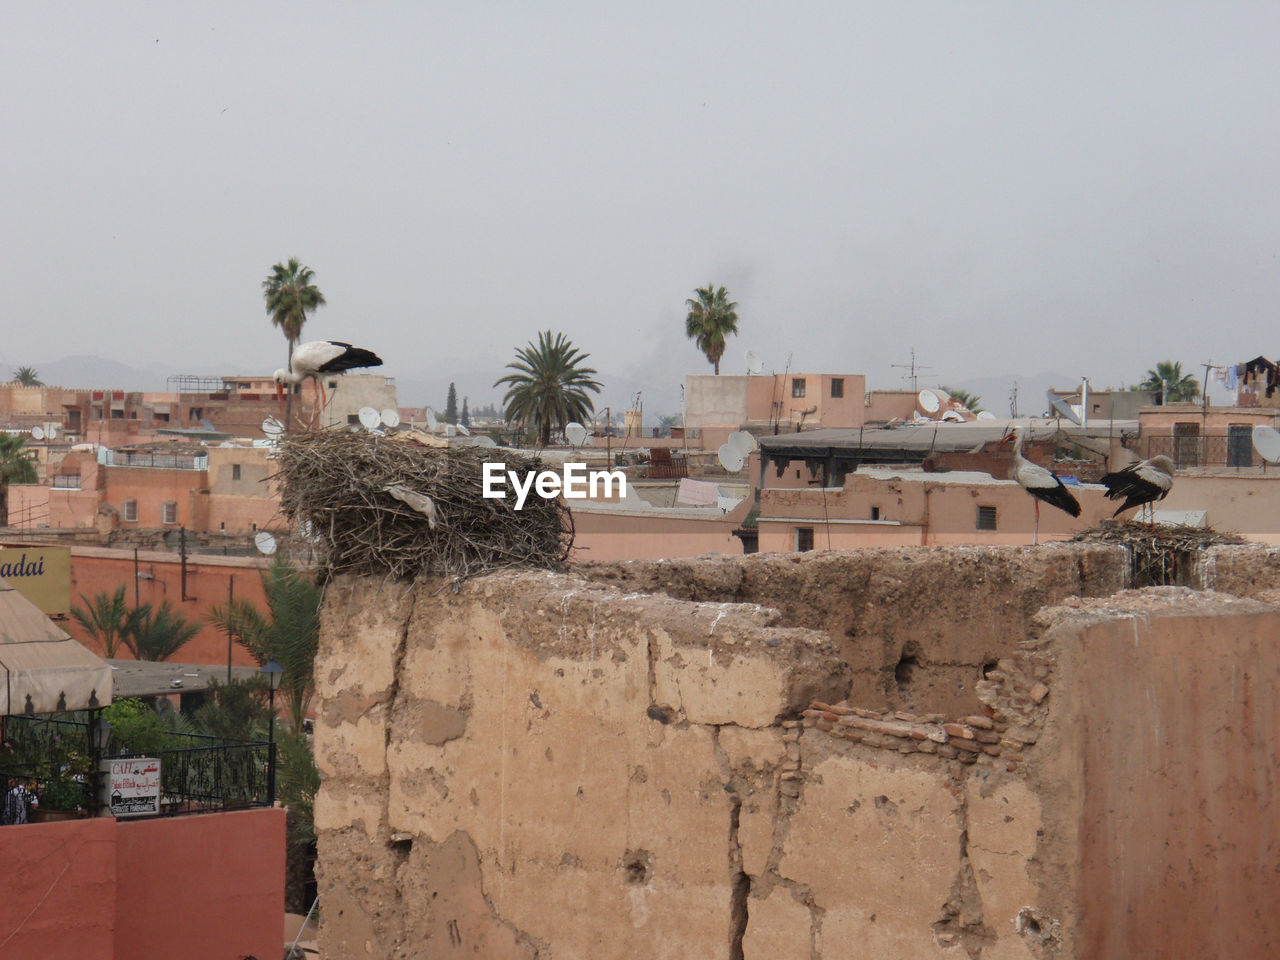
<point x="1170" y="384"/>
<point x="107" y="619"/>
<point x="549" y="387"/>
<point x="27" y="377"/>
<point x="291" y="294"/>
<point x="158" y="632"/>
<point x="971" y="402"/>
<point x="16" y="466"/>
<point x="289" y="634"/>
<point x="712" y="317"/>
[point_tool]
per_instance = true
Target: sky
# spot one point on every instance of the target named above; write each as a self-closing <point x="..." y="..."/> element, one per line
<point x="1006" y="188"/>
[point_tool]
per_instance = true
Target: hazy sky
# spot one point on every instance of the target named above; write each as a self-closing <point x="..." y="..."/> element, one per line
<point x="1009" y="187"/>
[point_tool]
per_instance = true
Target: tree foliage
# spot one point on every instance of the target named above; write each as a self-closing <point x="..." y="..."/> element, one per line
<point x="16" y="466"/>
<point x="970" y="401"/>
<point x="1169" y="383"/>
<point x="157" y="633"/>
<point x="549" y="386"/>
<point x="451" y="405"/>
<point x="27" y="377"/>
<point x="465" y="417"/>
<point x="289" y="633"/>
<point x="107" y="618"/>
<point x="291" y="294"/>
<point x="712" y="318"/>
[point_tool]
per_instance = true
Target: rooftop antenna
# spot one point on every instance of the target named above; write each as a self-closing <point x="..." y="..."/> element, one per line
<point x="1013" y="401"/>
<point x="912" y="369"/>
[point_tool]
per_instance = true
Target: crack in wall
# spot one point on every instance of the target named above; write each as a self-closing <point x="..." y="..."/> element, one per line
<point x="962" y="922"/>
<point x="740" y="882"/>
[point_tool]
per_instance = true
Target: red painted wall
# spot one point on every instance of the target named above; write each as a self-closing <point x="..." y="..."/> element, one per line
<point x="207" y="887"/>
<point x="59" y="890"/>
<point x="96" y="569"/>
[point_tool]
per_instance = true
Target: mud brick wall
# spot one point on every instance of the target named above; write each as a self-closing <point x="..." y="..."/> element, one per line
<point x="545" y="766"/>
<point x="917" y="625"/>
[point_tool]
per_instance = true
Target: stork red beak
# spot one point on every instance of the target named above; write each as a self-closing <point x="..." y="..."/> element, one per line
<point x="1007" y="438"/>
<point x="280" y="392"/>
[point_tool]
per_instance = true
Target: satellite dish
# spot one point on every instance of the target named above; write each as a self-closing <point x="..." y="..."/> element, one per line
<point x="730" y="458"/>
<point x="51" y="431"/>
<point x="265" y="543"/>
<point x="390" y="417"/>
<point x="1061" y="407"/>
<point x="986" y="415"/>
<point x="307" y="531"/>
<point x="1266" y="440"/>
<point x="37" y="433"/>
<point x="952" y="416"/>
<point x="576" y="434"/>
<point x="483" y="441"/>
<point x="432" y="423"/>
<point x="741" y="442"/>
<point x="272" y="427"/>
<point x="463" y="430"/>
<point x="754" y="363"/>
<point x="928" y="401"/>
<point x="369" y="417"/>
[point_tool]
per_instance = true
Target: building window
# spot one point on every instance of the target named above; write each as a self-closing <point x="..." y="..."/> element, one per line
<point x="875" y="513"/>
<point x="131" y="511"/>
<point x="797" y="387"/>
<point x="162" y="417"/>
<point x="117" y="414"/>
<point x="353" y="419"/>
<point x="235" y="471"/>
<point x="169" y="512"/>
<point x="837" y="388"/>
<point x="986" y="518"/>
<point x="1240" y="445"/>
<point x="804" y="539"/>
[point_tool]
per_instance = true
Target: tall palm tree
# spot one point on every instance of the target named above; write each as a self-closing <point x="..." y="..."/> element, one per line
<point x="712" y="317"/>
<point x="28" y="377"/>
<point x="288" y="634"/>
<point x="549" y="386"/>
<point x="107" y="619"/>
<point x="1170" y="384"/>
<point x="16" y="466"/>
<point x="291" y="294"/>
<point x="158" y="632"/>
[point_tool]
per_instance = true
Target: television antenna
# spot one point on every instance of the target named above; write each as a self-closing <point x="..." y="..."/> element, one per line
<point x="912" y="369"/>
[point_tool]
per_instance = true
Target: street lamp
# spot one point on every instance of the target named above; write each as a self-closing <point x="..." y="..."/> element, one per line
<point x="275" y="673"/>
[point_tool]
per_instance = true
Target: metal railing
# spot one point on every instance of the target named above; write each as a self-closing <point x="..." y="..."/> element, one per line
<point x="1232" y="451"/>
<point x="209" y="779"/>
<point x="139" y="458"/>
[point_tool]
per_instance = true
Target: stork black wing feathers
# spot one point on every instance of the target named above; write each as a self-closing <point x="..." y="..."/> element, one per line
<point x="1129" y="485"/>
<point x="1058" y="496"/>
<point x="350" y="358"/>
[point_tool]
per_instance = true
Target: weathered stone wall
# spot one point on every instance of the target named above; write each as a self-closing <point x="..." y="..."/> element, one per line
<point x="542" y="766"/>
<point x="917" y="625"/>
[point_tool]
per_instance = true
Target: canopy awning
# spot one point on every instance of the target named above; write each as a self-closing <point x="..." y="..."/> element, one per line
<point x="43" y="670"/>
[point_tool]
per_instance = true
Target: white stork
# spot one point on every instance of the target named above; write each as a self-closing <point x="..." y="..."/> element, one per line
<point x="1140" y="484"/>
<point x="318" y="357"/>
<point x="1042" y="484"/>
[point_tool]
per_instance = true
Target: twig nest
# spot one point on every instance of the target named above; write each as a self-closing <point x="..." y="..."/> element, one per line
<point x="380" y="505"/>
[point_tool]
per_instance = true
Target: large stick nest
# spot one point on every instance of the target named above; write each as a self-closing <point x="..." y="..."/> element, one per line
<point x="1159" y="555"/>
<point x="381" y="505"/>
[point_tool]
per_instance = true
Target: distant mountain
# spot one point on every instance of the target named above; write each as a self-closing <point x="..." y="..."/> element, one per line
<point x="88" y="372"/>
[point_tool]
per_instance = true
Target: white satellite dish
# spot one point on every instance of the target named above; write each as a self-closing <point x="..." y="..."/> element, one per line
<point x="985" y="415"/>
<point x="929" y="401"/>
<point x="390" y="417"/>
<point x="1266" y="440"/>
<point x="754" y="364"/>
<point x="741" y="442"/>
<point x="952" y="416"/>
<point x="730" y="458"/>
<point x="1061" y="408"/>
<point x="463" y="430"/>
<point x="483" y="441"/>
<point x="432" y="423"/>
<point x="307" y="531"/>
<point x="51" y="431"/>
<point x="272" y="427"/>
<point x="576" y="434"/>
<point x="37" y="433"/>
<point x="265" y="543"/>
<point x="369" y="417"/>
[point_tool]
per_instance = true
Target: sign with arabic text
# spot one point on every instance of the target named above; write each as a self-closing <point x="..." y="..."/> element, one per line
<point x="132" y="786"/>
